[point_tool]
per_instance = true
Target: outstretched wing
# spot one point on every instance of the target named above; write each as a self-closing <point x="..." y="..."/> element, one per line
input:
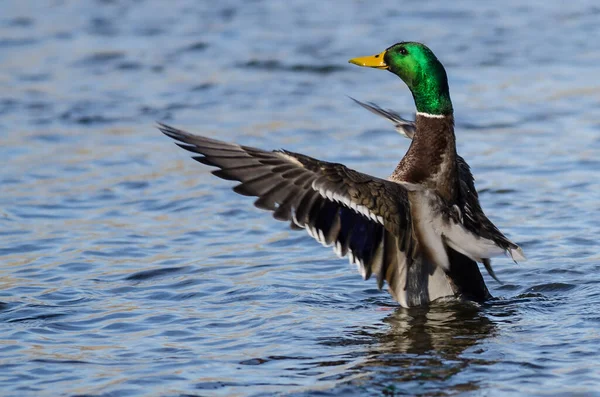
<point x="364" y="217"/>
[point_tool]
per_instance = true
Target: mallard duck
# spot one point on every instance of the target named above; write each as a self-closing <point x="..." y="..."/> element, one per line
<point x="468" y="193"/>
<point x="421" y="231"/>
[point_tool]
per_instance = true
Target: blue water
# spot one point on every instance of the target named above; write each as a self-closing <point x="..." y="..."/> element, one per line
<point x="127" y="269"/>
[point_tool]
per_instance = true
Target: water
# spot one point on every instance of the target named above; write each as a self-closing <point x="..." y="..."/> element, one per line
<point x="127" y="269"/>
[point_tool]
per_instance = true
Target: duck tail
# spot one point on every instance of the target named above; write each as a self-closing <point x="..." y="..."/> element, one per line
<point x="465" y="274"/>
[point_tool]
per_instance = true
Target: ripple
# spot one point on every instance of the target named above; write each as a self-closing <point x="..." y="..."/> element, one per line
<point x="198" y="46"/>
<point x="17" y="42"/>
<point x="99" y="58"/>
<point x="274" y="65"/>
<point x="551" y="287"/>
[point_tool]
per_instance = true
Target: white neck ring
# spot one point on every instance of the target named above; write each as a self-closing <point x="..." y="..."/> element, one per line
<point x="431" y="116"/>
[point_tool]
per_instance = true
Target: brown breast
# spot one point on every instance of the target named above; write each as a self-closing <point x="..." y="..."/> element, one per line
<point x="431" y="157"/>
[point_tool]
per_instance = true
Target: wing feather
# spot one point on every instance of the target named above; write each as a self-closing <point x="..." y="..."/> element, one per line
<point x="364" y="217"/>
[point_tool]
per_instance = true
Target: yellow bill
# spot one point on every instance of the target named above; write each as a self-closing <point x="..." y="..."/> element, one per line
<point x="373" y="61"/>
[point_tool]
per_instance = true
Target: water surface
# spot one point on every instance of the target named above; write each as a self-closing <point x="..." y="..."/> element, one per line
<point x="127" y="269"/>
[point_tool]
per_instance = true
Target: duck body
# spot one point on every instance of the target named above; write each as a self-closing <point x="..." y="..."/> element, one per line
<point x="467" y="200"/>
<point x="421" y="231"/>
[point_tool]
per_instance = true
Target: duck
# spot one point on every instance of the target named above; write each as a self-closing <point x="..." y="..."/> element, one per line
<point x="468" y="192"/>
<point x="421" y="231"/>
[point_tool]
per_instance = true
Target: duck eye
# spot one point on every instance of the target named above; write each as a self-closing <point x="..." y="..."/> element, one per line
<point x="403" y="51"/>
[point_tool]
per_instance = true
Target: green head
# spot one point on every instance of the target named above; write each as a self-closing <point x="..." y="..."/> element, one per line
<point x="422" y="72"/>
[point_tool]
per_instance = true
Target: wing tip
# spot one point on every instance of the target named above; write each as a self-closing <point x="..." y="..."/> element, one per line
<point x="169" y="131"/>
<point x="487" y="263"/>
<point x="517" y="254"/>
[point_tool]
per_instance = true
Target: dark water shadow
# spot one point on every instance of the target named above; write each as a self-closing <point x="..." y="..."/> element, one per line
<point x="422" y="352"/>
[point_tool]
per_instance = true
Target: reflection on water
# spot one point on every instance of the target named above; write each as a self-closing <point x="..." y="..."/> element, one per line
<point x="422" y="350"/>
<point x="445" y="329"/>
